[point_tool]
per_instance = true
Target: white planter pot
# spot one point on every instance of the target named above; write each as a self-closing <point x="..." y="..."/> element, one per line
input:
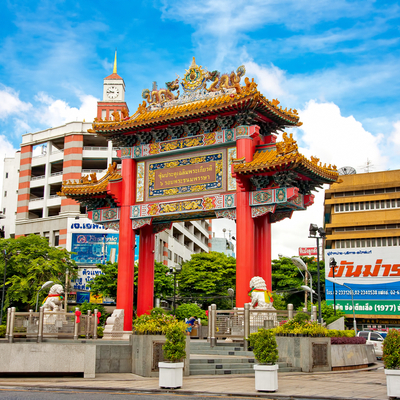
<point x="266" y="377"/>
<point x="393" y="382"/>
<point x="170" y="375"/>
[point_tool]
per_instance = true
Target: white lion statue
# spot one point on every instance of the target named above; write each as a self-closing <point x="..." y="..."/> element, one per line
<point x="55" y="298"/>
<point x="261" y="297"/>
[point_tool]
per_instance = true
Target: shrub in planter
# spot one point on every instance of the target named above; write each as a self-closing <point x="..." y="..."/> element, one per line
<point x="154" y="324"/>
<point x="391" y="350"/>
<point x="391" y="361"/>
<point x="171" y="373"/>
<point x="264" y="346"/>
<point x="100" y="331"/>
<point x="2" y="330"/>
<point x="174" y="348"/>
<point x="265" y="350"/>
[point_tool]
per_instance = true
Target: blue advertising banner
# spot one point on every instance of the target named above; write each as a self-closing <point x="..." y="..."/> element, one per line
<point x="94" y="248"/>
<point x="372" y="273"/>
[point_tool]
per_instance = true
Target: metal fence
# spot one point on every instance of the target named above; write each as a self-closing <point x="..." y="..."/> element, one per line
<point x="237" y="324"/>
<point x="50" y="324"/>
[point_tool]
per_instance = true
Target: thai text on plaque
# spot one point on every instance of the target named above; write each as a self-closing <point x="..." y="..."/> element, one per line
<point x="186" y="175"/>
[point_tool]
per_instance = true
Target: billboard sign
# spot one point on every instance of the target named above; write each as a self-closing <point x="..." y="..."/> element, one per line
<point x="307" y="251"/>
<point x="373" y="274"/>
<point x="94" y="248"/>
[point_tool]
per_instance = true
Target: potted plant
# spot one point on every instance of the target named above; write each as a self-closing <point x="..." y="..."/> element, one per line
<point x="171" y="371"/>
<point x="391" y="361"/>
<point x="265" y="351"/>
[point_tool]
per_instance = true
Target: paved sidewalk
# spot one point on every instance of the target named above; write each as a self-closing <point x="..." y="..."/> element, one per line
<point x="357" y="384"/>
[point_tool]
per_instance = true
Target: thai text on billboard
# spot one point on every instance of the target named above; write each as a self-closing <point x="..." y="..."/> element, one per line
<point x="372" y="273"/>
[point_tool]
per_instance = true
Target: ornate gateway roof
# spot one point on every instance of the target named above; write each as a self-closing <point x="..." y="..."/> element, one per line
<point x="92" y="192"/>
<point x="281" y="160"/>
<point x="209" y="101"/>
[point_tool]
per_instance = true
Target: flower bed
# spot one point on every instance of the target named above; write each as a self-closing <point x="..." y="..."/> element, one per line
<point x="348" y="340"/>
<point x="308" y="328"/>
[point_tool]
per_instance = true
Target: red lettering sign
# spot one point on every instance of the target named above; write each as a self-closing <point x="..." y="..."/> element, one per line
<point x="307" y="251"/>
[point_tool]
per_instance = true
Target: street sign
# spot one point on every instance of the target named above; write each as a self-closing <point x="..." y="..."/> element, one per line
<point x="307" y="251"/>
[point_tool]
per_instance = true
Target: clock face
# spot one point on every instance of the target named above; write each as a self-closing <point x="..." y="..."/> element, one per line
<point x="112" y="92"/>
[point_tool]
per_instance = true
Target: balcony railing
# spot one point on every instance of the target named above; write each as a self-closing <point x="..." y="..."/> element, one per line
<point x="34" y="178"/>
<point x="90" y="171"/>
<point x="95" y="148"/>
<point x="56" y="173"/>
<point x="36" y="199"/>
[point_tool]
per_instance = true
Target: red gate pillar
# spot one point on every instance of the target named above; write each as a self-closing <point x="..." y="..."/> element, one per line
<point x="126" y="248"/>
<point x="244" y="221"/>
<point x="145" y="296"/>
<point x="262" y="241"/>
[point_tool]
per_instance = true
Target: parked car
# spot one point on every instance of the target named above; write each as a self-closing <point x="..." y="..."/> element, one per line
<point x="374" y="338"/>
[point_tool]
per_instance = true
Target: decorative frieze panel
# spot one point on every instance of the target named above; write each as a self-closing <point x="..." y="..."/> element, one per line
<point x="273" y="196"/>
<point x="206" y="139"/>
<point x="231" y="180"/>
<point x="229" y="214"/>
<point x="111" y="225"/>
<point x="201" y="204"/>
<point x="138" y="223"/>
<point x="105" y="215"/>
<point x="262" y="210"/>
<point x="140" y="181"/>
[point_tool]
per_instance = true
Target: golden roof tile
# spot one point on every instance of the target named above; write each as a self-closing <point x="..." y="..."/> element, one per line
<point x="86" y="186"/>
<point x="286" y="153"/>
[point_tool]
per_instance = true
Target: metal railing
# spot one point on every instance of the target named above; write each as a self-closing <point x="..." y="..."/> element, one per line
<point x="34" y="178"/>
<point x="237" y="324"/>
<point x="50" y="324"/>
<point x="90" y="171"/>
<point x="36" y="199"/>
<point x="56" y="173"/>
<point x="94" y="148"/>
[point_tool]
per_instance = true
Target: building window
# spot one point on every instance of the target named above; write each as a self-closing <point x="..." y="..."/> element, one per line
<point x="4" y="211"/>
<point x="56" y="238"/>
<point x="5" y="193"/>
<point x="6" y="175"/>
<point x="169" y="255"/>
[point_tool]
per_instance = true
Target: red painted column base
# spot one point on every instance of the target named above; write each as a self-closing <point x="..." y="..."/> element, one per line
<point x="262" y="241"/>
<point x="146" y="270"/>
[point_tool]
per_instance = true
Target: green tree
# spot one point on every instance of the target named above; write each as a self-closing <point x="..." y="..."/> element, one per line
<point x="206" y="279"/>
<point x="31" y="261"/>
<point x="287" y="280"/>
<point x="163" y="281"/>
<point x="105" y="284"/>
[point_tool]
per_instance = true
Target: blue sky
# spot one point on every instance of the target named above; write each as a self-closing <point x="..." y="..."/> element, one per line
<point x="337" y="62"/>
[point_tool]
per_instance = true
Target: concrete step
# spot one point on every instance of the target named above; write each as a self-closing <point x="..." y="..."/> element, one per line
<point x="223" y="352"/>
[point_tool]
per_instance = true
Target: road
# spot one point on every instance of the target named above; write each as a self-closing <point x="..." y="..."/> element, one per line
<point x="51" y="394"/>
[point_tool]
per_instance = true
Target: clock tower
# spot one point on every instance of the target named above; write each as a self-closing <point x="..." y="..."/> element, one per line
<point x="113" y="95"/>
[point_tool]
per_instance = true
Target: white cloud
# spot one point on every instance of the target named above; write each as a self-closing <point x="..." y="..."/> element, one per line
<point x="338" y="140"/>
<point x="395" y="137"/>
<point x="57" y="112"/>
<point x="10" y="103"/>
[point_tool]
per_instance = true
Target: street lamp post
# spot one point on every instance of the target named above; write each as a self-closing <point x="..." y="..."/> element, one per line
<point x="352" y="302"/>
<point x="313" y="234"/>
<point x="332" y="264"/>
<point x="45" y="285"/>
<point x="301" y="265"/>
<point x="174" y="271"/>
